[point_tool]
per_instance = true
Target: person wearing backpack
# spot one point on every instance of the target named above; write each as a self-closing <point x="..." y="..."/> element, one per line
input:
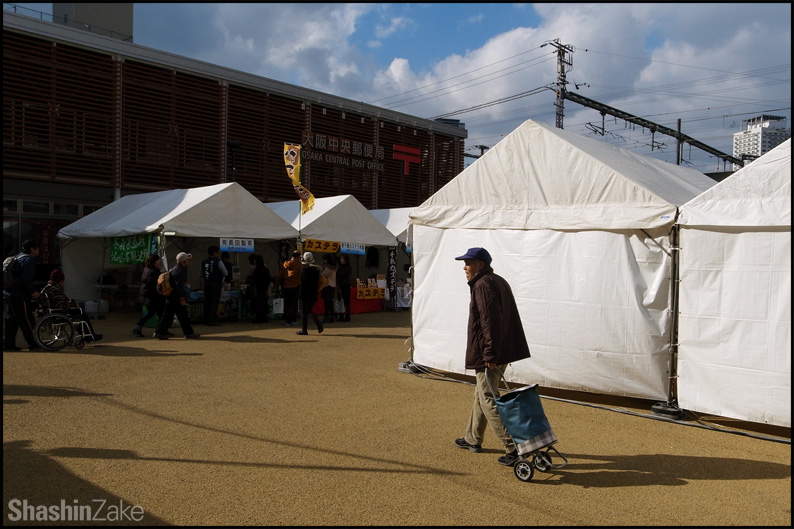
<point x="19" y="296"/>
<point x="213" y="271"/>
<point x="149" y="297"/>
<point x="176" y="302"/>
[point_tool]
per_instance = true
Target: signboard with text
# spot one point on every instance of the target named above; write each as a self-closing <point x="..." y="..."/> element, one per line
<point x="353" y="248"/>
<point x="314" y="245"/>
<point x="132" y="249"/>
<point x="369" y="293"/>
<point x="237" y="245"/>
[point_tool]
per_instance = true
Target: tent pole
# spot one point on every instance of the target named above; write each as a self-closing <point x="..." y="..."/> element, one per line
<point x="105" y="242"/>
<point x="300" y="219"/>
<point x="670" y="408"/>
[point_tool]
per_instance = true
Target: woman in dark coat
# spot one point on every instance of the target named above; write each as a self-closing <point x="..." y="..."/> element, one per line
<point x="310" y="281"/>
<point x="149" y="297"/>
<point x="259" y="281"/>
<point x="343" y="283"/>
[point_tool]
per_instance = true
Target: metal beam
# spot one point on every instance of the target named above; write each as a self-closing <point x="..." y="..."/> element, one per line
<point x="653" y="127"/>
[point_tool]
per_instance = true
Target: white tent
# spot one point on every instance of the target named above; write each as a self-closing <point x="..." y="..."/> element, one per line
<point x="396" y="221"/>
<point x="580" y="229"/>
<point x="341" y="218"/>
<point x="184" y="215"/>
<point x="735" y="303"/>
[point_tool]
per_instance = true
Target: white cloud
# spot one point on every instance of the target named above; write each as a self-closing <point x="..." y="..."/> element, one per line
<point x="396" y="24"/>
<point x="644" y="57"/>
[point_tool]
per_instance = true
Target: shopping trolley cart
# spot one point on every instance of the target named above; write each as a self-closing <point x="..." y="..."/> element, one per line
<point x="522" y="414"/>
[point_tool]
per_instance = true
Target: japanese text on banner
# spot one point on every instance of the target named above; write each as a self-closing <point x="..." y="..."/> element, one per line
<point x="292" y="161"/>
<point x="314" y="245"/>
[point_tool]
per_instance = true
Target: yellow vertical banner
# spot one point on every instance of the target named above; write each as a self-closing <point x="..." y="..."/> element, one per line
<point x="292" y="161"/>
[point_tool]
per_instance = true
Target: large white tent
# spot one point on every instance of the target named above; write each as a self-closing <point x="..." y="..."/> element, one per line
<point x="189" y="218"/>
<point x="396" y="221"/>
<point x="580" y="229"/>
<point x="341" y="218"/>
<point x="735" y="302"/>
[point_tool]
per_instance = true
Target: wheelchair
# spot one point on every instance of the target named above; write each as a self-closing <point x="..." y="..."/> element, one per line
<point x="56" y="329"/>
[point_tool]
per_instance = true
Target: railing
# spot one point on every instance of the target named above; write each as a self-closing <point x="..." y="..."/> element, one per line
<point x="48" y="17"/>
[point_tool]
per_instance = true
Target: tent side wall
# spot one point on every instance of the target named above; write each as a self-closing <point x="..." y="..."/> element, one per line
<point x="735" y="323"/>
<point x="594" y="305"/>
<point x="82" y="263"/>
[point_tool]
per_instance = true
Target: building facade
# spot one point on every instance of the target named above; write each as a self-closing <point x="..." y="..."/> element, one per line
<point x="88" y="118"/>
<point x="759" y="135"/>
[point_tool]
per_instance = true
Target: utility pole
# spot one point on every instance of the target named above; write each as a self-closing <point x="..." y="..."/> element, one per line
<point x="564" y="65"/>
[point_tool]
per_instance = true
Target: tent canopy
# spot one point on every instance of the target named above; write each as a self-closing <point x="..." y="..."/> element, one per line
<point x="395" y="219"/>
<point x="222" y="210"/>
<point x="759" y="194"/>
<point x="734" y="333"/>
<point x="581" y="231"/>
<point x="540" y="177"/>
<point x="341" y="218"/>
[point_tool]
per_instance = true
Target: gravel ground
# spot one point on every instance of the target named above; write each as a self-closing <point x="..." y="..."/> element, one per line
<point x="253" y="425"/>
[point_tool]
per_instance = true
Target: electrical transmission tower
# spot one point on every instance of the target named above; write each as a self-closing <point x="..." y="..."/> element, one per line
<point x="564" y="65"/>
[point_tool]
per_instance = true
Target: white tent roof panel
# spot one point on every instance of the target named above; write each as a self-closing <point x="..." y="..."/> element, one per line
<point x="222" y="210"/>
<point x="758" y="194"/>
<point x="341" y="218"/>
<point x="395" y="219"/>
<point x="540" y="177"/>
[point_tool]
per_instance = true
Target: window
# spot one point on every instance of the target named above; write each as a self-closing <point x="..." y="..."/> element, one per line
<point x="36" y="208"/>
<point x="10" y="206"/>
<point x="70" y="210"/>
<point x="89" y="209"/>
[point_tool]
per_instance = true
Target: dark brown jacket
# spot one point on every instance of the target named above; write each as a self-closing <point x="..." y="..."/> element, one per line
<point x="495" y="331"/>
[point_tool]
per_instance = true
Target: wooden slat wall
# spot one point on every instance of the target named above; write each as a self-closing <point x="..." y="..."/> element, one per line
<point x="58" y="113"/>
<point x="73" y="115"/>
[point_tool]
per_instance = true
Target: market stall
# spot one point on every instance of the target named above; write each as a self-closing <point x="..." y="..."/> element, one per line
<point x="122" y="233"/>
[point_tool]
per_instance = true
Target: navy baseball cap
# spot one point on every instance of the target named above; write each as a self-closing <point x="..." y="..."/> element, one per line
<point x="476" y="253"/>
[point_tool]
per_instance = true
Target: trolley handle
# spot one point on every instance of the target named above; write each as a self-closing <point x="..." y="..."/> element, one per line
<point x="501" y="377"/>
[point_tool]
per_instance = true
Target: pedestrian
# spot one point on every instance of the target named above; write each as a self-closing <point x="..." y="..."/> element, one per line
<point x="213" y="271"/>
<point x="495" y="338"/>
<point x="19" y="299"/>
<point x="310" y="280"/>
<point x="259" y="288"/>
<point x="289" y="279"/>
<point x="226" y="259"/>
<point x="344" y="274"/>
<point x="329" y="291"/>
<point x="153" y="301"/>
<point x="176" y="302"/>
<point x="58" y="301"/>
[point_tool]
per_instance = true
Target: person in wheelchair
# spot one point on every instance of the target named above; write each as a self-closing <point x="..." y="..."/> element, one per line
<point x="53" y="295"/>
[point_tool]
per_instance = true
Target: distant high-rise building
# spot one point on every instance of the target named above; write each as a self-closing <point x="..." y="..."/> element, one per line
<point x="759" y="135"/>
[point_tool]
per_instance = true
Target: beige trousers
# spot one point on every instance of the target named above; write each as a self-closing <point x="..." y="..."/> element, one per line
<point x="484" y="412"/>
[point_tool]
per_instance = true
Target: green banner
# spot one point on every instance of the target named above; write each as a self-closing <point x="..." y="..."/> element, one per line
<point x="133" y="249"/>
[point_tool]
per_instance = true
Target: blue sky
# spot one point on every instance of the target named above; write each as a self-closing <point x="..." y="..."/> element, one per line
<point x="709" y="64"/>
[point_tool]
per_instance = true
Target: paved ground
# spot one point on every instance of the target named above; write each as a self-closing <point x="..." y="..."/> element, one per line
<point x="253" y="425"/>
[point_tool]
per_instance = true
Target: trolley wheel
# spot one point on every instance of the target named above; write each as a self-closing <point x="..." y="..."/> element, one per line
<point x="523" y="470"/>
<point x="542" y="461"/>
<point x="79" y="343"/>
<point x="54" y="331"/>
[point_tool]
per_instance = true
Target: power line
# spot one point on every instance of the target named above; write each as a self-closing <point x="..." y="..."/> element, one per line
<point x="496" y="102"/>
<point x="456" y="76"/>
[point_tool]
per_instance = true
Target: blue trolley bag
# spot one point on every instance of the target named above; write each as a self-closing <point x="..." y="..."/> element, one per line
<point x="523" y="417"/>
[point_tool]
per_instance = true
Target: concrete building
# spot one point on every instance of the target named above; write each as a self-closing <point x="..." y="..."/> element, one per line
<point x="760" y="135"/>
